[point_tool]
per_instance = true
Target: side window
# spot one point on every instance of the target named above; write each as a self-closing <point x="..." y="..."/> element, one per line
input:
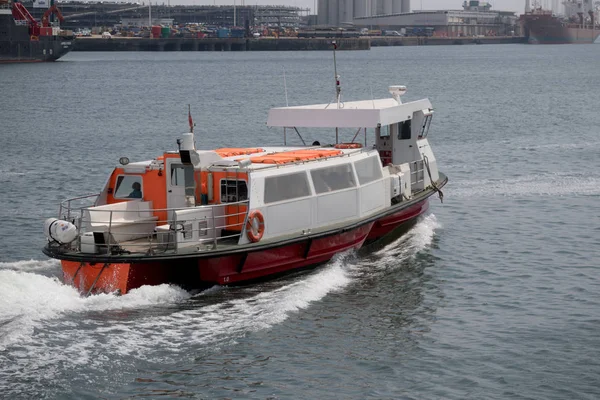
<point x="404" y="129"/>
<point x="286" y="187"/>
<point x="368" y="170"/>
<point x="425" y="127"/>
<point x="384" y="131"/>
<point x="128" y="187"/>
<point x="232" y="191"/>
<point x="333" y="178"/>
<point x="177" y="175"/>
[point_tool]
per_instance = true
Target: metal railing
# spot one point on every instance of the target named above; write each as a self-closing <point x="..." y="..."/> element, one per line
<point x="139" y="231"/>
<point x="67" y="205"/>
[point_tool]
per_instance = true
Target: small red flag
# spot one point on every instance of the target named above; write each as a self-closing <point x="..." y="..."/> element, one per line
<point x="190" y="120"/>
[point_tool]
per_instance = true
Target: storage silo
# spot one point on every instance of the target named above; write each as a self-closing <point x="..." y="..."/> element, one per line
<point x="346" y="11"/>
<point x="380" y="7"/>
<point x="396" y="6"/>
<point x="387" y="7"/>
<point x="405" y="6"/>
<point x="333" y="18"/>
<point x="322" y="14"/>
<point x="360" y="8"/>
<point x="374" y="7"/>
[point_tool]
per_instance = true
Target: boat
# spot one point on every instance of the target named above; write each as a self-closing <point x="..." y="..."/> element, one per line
<point x="199" y="218"/>
<point x="578" y="25"/>
<point x="24" y="39"/>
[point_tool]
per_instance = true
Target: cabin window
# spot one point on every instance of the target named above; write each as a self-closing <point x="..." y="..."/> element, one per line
<point x="128" y="187"/>
<point x="177" y="175"/>
<point x="384" y="131"/>
<point x="333" y="178"/>
<point x="425" y="127"/>
<point x="233" y="190"/>
<point x="404" y="130"/>
<point x="286" y="187"/>
<point x="368" y="170"/>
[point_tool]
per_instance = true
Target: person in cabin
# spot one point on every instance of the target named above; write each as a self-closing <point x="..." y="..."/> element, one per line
<point x="137" y="191"/>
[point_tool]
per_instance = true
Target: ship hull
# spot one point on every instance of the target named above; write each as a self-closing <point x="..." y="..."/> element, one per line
<point x="547" y="29"/>
<point x="20" y="42"/>
<point x="236" y="268"/>
<point x="49" y="48"/>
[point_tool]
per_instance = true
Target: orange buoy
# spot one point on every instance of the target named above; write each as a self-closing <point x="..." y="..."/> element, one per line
<point x="255" y="226"/>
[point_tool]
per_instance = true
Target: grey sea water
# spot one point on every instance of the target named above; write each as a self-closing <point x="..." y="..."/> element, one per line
<point x="494" y="294"/>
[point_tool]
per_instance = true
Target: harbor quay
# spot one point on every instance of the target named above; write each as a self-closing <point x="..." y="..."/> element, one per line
<point x="216" y="44"/>
<point x="440" y="41"/>
<point x="273" y="44"/>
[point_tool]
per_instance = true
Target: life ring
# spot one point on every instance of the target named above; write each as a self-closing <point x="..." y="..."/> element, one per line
<point x="255" y="226"/>
<point x="348" y="146"/>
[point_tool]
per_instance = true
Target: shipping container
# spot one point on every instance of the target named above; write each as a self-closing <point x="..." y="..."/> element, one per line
<point x="223" y="33"/>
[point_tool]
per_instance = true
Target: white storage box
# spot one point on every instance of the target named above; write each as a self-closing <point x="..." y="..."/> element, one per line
<point x="87" y="243"/>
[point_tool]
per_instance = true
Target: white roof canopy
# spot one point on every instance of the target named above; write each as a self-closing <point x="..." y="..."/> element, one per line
<point x="351" y="114"/>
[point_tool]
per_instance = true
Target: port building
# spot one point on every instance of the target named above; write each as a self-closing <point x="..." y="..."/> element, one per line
<point x="343" y="12"/>
<point x="87" y="14"/>
<point x="475" y="19"/>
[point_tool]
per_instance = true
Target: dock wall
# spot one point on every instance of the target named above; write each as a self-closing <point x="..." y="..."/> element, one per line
<point x="215" y="44"/>
<point x="273" y="44"/>
<point x="441" y="41"/>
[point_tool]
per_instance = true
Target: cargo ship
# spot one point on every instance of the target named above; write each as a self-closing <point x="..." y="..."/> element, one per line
<point x="24" y="39"/>
<point x="578" y="25"/>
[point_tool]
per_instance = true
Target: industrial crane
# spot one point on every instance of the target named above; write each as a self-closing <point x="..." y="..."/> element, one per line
<point x="52" y="10"/>
<point x="21" y="14"/>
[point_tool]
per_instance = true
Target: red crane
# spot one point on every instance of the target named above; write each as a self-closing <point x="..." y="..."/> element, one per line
<point x="20" y="13"/>
<point x="52" y="10"/>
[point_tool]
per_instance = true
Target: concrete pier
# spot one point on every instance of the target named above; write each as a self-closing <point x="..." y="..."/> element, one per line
<point x="216" y="44"/>
<point x="440" y="41"/>
<point x="280" y="44"/>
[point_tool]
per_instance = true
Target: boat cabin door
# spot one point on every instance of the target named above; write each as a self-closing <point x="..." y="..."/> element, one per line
<point x="175" y="185"/>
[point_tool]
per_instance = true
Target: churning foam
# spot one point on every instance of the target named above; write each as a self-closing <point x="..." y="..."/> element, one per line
<point x="28" y="299"/>
<point x="404" y="248"/>
<point x="51" y="322"/>
<point x="31" y="265"/>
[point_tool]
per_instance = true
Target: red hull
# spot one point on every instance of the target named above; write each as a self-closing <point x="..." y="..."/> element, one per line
<point x="387" y="224"/>
<point x="549" y="29"/>
<point x="234" y="268"/>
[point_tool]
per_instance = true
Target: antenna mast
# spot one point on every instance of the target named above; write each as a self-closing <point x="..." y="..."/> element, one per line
<point x="338" y="88"/>
<point x="191" y="122"/>
<point x="285" y="88"/>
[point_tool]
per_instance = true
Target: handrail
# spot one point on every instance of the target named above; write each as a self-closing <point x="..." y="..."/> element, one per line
<point x="80" y="197"/>
<point x="68" y="202"/>
<point x="138" y="234"/>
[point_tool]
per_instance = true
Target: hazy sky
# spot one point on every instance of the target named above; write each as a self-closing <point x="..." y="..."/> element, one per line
<point x="504" y="5"/>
